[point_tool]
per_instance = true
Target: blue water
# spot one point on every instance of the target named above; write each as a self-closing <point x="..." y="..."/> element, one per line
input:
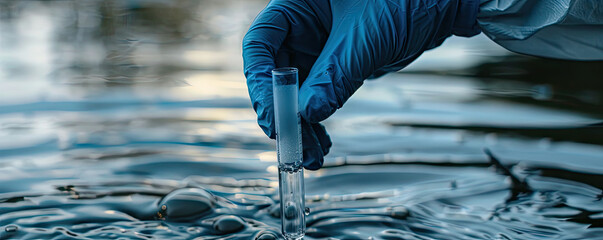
<point x="131" y="119"/>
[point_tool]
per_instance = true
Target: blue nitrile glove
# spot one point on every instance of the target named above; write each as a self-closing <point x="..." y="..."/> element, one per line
<point x="337" y="44"/>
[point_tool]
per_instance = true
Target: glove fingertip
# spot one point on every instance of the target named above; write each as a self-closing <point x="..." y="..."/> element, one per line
<point x="313" y="159"/>
<point x="267" y="125"/>
<point x="323" y="138"/>
<point x="270" y="133"/>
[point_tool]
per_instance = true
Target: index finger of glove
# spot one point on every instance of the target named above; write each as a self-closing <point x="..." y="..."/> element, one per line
<point x="260" y="49"/>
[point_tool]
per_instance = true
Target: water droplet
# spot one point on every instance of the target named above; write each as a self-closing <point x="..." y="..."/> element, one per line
<point x="229" y="224"/>
<point x="11" y="228"/>
<point x="307" y="211"/>
<point x="399" y="212"/>
<point x="186" y="203"/>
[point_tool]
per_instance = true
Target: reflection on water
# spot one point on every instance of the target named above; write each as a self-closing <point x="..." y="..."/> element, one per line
<point x="130" y="119"/>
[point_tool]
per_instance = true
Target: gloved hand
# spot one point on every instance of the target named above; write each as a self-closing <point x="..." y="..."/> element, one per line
<point x="336" y="44"/>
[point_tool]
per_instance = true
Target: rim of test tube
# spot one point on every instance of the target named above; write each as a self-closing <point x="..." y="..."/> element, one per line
<point x="284" y="71"/>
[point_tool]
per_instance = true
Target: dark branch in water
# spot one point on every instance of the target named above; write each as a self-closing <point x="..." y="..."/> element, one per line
<point x="517" y="186"/>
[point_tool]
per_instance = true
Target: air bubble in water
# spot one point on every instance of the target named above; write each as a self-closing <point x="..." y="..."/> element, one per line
<point x="185" y="204"/>
<point x="229" y="224"/>
<point x="11" y="228"/>
<point x="290" y="211"/>
<point x="399" y="212"/>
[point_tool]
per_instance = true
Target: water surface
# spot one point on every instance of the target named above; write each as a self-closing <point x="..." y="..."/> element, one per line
<point x="131" y="120"/>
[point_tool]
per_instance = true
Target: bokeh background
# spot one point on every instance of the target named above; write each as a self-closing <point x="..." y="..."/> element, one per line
<point x="107" y="107"/>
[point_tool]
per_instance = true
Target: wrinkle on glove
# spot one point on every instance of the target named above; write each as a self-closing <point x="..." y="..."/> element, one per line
<point x="563" y="29"/>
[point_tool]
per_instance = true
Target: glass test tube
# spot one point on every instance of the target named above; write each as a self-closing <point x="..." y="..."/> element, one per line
<point x="289" y="151"/>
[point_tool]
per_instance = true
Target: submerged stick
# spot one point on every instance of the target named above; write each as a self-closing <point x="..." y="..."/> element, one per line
<point x="517" y="186"/>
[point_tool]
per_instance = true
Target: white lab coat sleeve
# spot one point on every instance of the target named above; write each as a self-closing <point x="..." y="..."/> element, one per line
<point x="563" y="29"/>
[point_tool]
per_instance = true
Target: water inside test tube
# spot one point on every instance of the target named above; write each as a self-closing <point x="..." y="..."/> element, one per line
<point x="287" y="125"/>
<point x="290" y="156"/>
